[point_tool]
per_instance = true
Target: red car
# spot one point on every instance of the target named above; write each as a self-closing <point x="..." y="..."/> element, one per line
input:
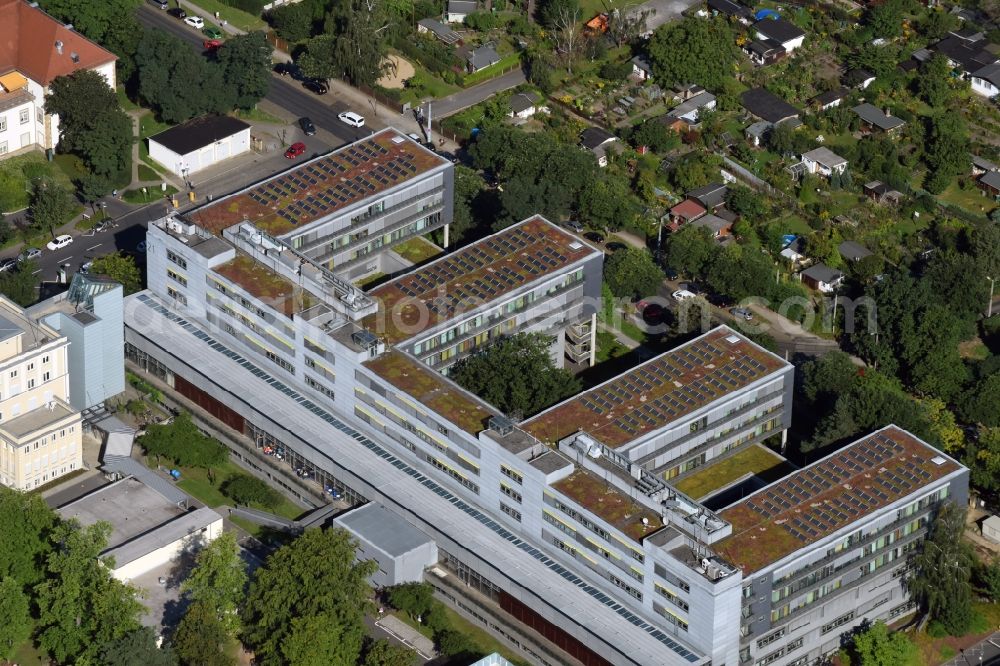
<point x="212" y="44"/>
<point x="295" y="150"/>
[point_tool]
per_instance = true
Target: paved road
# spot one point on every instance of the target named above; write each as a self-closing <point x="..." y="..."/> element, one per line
<point x="287" y="93"/>
<point x="985" y="653"/>
<point x="463" y="99"/>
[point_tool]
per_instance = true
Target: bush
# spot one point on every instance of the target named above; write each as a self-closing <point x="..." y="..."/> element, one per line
<point x="246" y="489"/>
<point x="254" y="7"/>
<point x="414" y="599"/>
<point x="615" y="71"/>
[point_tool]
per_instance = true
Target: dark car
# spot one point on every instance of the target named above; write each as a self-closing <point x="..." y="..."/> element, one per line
<point x="670" y="273"/>
<point x="316" y="86"/>
<point x="614" y="246"/>
<point x="307" y="126"/>
<point x="177" y="13"/>
<point x="103" y="225"/>
<point x="288" y="69"/>
<point x="594" y="237"/>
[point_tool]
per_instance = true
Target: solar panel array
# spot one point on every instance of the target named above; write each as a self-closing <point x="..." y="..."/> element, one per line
<point x="484" y="278"/>
<point x="810" y="516"/>
<point x="335" y="181"/>
<point x="664" y="389"/>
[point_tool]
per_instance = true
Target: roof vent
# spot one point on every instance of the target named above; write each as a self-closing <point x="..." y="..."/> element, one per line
<point x="501" y="425"/>
<point x="575" y="245"/>
<point x="398" y="139"/>
<point x="74" y="56"/>
<point x="938" y="460"/>
<point x="59" y="47"/>
<point x="732" y="339"/>
<point x="69" y="26"/>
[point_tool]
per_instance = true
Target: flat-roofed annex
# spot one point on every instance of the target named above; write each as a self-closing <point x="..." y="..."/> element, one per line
<point x="294" y="199"/>
<point x="816" y="501"/>
<point x="473" y="276"/>
<point x="660" y="391"/>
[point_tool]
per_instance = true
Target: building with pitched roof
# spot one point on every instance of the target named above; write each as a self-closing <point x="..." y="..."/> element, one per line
<point x="35" y="50"/>
<point x="767" y="106"/>
<point x="780" y="31"/>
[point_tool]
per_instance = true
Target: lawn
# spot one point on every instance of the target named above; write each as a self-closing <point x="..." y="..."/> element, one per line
<point x="149" y="125"/>
<point x="29" y="655"/>
<point x="483" y="641"/>
<point x="754" y="460"/>
<point x="423" y="85"/>
<point x="237" y="17"/>
<point x="148" y="173"/>
<point x="971" y="199"/>
<point x="417" y="250"/>
<point x="794" y="224"/>
<point x="195" y="481"/>
<point x="937" y="650"/>
<point x="258" y="115"/>
<point x="369" y="280"/>
<point x="124" y="101"/>
<point x="17" y="173"/>
<point x="138" y="197"/>
<point x="71" y="166"/>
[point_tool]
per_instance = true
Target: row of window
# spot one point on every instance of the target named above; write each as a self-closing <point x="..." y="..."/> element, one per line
<point x="177" y="296"/>
<point x="513" y="513"/>
<point x="512" y="474"/>
<point x="452" y="473"/>
<point x="510" y="492"/>
<point x="618" y="582"/>
<point x="319" y="386"/>
<point x="177" y="259"/>
<point x="672" y="598"/>
<point x="23" y="118"/>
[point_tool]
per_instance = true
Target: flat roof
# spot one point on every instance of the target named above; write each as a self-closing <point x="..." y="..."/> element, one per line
<point x="262" y="283"/>
<point x="197" y="133"/>
<point x="816" y="501"/>
<point x="293" y="199"/>
<point x="471" y="277"/>
<point x="384" y="529"/>
<point x="186" y="524"/>
<point x="37" y="419"/>
<point x="660" y="391"/>
<point x="433" y="390"/>
<point x="603" y="499"/>
<point x="130" y="506"/>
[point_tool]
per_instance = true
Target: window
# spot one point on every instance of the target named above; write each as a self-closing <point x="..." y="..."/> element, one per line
<point x="325" y="390"/>
<point x="31" y="383"/>
<point x="771" y="658"/>
<point x="839" y="622"/>
<point x="513" y="513"/>
<point x="31" y="366"/>
<point x="625" y="586"/>
<point x="770" y="638"/>
<point x="24" y="116"/>
<point x="277" y="360"/>
<point x="39" y="115"/>
<point x="510" y="492"/>
<point x="442" y="430"/>
<point x="177" y="277"/>
<point x="177" y="296"/>
<point x="177" y="259"/>
<point x="3" y="147"/>
<point x="45" y="359"/>
<point x="13" y="374"/>
<point x="511" y="474"/>
<point x="671" y="597"/>
<point x="3" y="123"/>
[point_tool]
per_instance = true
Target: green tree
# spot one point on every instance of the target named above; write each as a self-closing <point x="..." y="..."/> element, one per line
<point x="981" y="402"/>
<point x="468" y="187"/>
<point x="15" y="610"/>
<point x="245" y="489"/>
<point x="655" y="135"/>
<point x="457" y="646"/>
<point x="137" y="647"/>
<point x="182" y="442"/>
<point x="696" y="169"/>
<point x="292" y="22"/>
<point x="111" y="23"/>
<point x="982" y="457"/>
<point x="988" y="579"/>
<point x="549" y="11"/>
<point x="80" y="606"/>
<point x="357" y="52"/>
<point x="875" y="645"/>
<point x="246" y="68"/>
<point x="947" y="152"/>
<point x="886" y="20"/>
<point x="632" y="272"/>
<point x="608" y="203"/>
<point x="826" y="378"/>
<point x="21" y="285"/>
<point x="690" y="251"/>
<point x="91" y="122"/>
<point x="740" y="271"/>
<point x="337" y="588"/>
<point x="25" y="521"/>
<point x="316" y="641"/>
<point x="879" y="60"/>
<point x="933" y="83"/>
<point x="781" y="139"/>
<point x="693" y="50"/>
<point x="384" y="653"/>
<point x="219" y="579"/>
<point x="201" y="638"/>
<point x="178" y="83"/>
<point x="516" y="374"/>
<point x="121" y="268"/>
<point x="942" y="573"/>
<point x="50" y="206"/>
<point x="746" y="203"/>
<point x="414" y="599"/>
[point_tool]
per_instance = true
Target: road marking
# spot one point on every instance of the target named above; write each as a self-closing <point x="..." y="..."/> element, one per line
<point x="93" y="247"/>
<point x="36" y="272"/>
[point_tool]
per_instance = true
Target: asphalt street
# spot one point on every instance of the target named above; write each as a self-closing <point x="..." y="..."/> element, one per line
<point x="285" y="92"/>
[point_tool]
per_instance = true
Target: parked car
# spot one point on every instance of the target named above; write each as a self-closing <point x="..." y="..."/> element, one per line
<point x="212" y="45"/>
<point x="308" y="128"/>
<point x="574" y="225"/>
<point x="651" y="313"/>
<point x="195" y="21"/>
<point x="103" y="225"/>
<point x="160" y="4"/>
<point x="594" y="237"/>
<point x="682" y="295"/>
<point x="212" y="32"/>
<point x="59" y="242"/>
<point x="316" y="86"/>
<point x="415" y="137"/>
<point x="351" y="118"/>
<point x="288" y="69"/>
<point x="177" y="13"/>
<point x="30" y="253"/>
<point x="614" y="246"/>
<point x="85" y="267"/>
<point x="670" y="273"/>
<point x="295" y="150"/>
<point x="742" y="313"/>
<point x="7" y="264"/>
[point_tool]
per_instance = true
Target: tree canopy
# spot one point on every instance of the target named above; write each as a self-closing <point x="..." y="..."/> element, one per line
<point x="352" y="44"/>
<point x="875" y="645"/>
<point x="137" y="647"/>
<point x="693" y="50"/>
<point x="182" y="442"/>
<point x="632" y="272"/>
<point x="15" y="609"/>
<point x="120" y="268"/>
<point x="283" y="613"/>
<point x="201" y="638"/>
<point x="110" y="23"/>
<point x="516" y="374"/>
<point x="942" y="572"/>
<point x="219" y="580"/>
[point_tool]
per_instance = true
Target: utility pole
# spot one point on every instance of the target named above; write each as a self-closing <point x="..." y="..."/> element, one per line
<point x="989" y="306"/>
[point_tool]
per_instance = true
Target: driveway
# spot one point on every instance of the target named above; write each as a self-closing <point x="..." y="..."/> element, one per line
<point x="463" y="99"/>
<point x="663" y="11"/>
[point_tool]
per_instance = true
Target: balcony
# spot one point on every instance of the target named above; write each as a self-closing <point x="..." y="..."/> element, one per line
<point x="579" y="332"/>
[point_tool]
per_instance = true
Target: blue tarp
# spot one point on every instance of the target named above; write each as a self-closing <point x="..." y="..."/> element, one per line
<point x="788" y="239"/>
<point x="766" y="13"/>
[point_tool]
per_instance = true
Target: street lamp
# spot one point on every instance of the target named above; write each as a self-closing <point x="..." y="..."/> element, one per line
<point x="989" y="306"/>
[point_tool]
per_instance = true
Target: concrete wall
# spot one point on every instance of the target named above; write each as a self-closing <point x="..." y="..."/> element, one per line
<point x="202" y="158"/>
<point x="167" y="553"/>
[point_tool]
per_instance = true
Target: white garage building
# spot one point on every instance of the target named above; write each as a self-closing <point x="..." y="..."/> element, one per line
<point x="401" y="550"/>
<point x="148" y="528"/>
<point x="199" y="143"/>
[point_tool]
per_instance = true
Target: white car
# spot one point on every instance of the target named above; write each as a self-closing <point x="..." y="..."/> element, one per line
<point x="682" y="295"/>
<point x="195" y="21"/>
<point x="59" y="242"/>
<point x="352" y="119"/>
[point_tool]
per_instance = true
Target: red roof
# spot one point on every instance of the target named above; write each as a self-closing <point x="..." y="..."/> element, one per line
<point x="689" y="209"/>
<point x="28" y="44"/>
